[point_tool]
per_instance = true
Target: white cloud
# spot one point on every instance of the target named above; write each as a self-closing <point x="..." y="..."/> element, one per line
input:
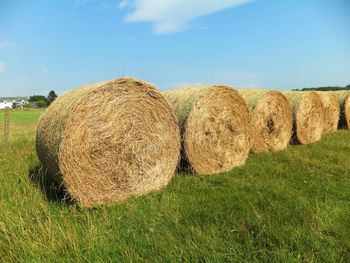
<point x="4" y="44"/>
<point x="171" y="16"/>
<point x="129" y="39"/>
<point x="45" y="71"/>
<point x="83" y="2"/>
<point x="106" y="5"/>
<point x="2" y="66"/>
<point x="123" y="3"/>
<point x="101" y="5"/>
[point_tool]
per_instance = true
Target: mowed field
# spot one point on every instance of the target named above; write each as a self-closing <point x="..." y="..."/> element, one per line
<point x="287" y="206"/>
<point x="22" y="123"/>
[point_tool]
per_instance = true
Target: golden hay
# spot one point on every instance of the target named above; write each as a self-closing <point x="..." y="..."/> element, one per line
<point x="271" y="119"/>
<point x="107" y="141"/>
<point x="307" y="116"/>
<point x="344" y="104"/>
<point x="330" y="110"/>
<point x="214" y="127"/>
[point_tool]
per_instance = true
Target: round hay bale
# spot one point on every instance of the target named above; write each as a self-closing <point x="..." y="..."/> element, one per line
<point x="330" y="111"/>
<point x="271" y="120"/>
<point x="107" y="141"/>
<point x="214" y="127"/>
<point x="307" y="116"/>
<point x="344" y="105"/>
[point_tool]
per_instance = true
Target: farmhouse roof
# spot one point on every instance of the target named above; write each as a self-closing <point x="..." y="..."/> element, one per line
<point x="17" y="99"/>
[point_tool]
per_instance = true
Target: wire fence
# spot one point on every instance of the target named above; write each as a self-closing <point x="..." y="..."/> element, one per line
<point x="6" y="125"/>
<point x="18" y="124"/>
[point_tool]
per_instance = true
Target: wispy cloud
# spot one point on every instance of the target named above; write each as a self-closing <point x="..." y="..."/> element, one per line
<point x="82" y="2"/>
<point x="169" y="16"/>
<point x="4" y="44"/>
<point x="129" y="39"/>
<point x="102" y="5"/>
<point x="2" y="66"/>
<point x="106" y="5"/>
<point x="45" y="71"/>
<point x="123" y="3"/>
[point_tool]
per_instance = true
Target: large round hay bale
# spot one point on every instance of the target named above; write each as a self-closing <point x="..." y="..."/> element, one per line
<point x="307" y="116"/>
<point x="107" y="141"/>
<point x="214" y="127"/>
<point x="330" y="111"/>
<point x="344" y="104"/>
<point x="271" y="119"/>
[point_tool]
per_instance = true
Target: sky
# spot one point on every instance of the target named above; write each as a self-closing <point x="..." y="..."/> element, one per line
<point x="61" y="44"/>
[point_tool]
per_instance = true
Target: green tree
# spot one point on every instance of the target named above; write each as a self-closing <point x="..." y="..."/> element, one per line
<point x="334" y="88"/>
<point x="41" y="104"/>
<point x="36" y="98"/>
<point x="51" y="97"/>
<point x="15" y="105"/>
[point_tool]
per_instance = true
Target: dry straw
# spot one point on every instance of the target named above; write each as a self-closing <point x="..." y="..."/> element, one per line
<point x="214" y="127"/>
<point x="330" y="110"/>
<point x="271" y="119"/>
<point x="107" y="141"/>
<point x="308" y="116"/>
<point x="344" y="104"/>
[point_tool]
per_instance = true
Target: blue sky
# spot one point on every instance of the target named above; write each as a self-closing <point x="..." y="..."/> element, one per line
<point x="276" y="44"/>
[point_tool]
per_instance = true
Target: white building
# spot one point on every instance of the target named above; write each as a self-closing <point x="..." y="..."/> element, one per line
<point x="7" y="102"/>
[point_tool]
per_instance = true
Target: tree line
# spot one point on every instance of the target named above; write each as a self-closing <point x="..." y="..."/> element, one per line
<point x="39" y="101"/>
<point x="328" y="88"/>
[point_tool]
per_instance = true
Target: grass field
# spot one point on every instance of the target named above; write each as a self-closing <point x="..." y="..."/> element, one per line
<point x="28" y="116"/>
<point x="22" y="123"/>
<point x="289" y="206"/>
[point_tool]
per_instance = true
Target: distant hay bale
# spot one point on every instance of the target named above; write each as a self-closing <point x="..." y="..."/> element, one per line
<point x="307" y="116"/>
<point x="271" y="119"/>
<point x="344" y="104"/>
<point x="330" y="110"/>
<point x="214" y="127"/>
<point x="107" y="141"/>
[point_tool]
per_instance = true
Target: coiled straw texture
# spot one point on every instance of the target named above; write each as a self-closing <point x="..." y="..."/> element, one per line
<point x="271" y="119"/>
<point x="214" y="128"/>
<point x="308" y="118"/>
<point x="107" y="141"/>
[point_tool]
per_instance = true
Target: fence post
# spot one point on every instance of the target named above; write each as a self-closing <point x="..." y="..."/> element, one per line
<point x="6" y="125"/>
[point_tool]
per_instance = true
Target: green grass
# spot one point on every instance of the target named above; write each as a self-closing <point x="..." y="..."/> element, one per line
<point x="25" y="116"/>
<point x="289" y="206"/>
<point x="22" y="123"/>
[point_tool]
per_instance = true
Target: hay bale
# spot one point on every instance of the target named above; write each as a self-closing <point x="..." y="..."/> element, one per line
<point x="214" y="127"/>
<point x="271" y="119"/>
<point x="107" y="141"/>
<point x="330" y="111"/>
<point x="307" y="116"/>
<point x="344" y="105"/>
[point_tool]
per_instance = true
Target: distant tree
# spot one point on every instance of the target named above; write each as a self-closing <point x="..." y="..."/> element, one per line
<point x="41" y="104"/>
<point x="333" y="88"/>
<point x="15" y="105"/>
<point x="27" y="105"/>
<point x="51" y="97"/>
<point x="36" y="98"/>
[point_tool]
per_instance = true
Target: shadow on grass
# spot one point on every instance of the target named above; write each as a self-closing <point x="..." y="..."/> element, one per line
<point x="53" y="191"/>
